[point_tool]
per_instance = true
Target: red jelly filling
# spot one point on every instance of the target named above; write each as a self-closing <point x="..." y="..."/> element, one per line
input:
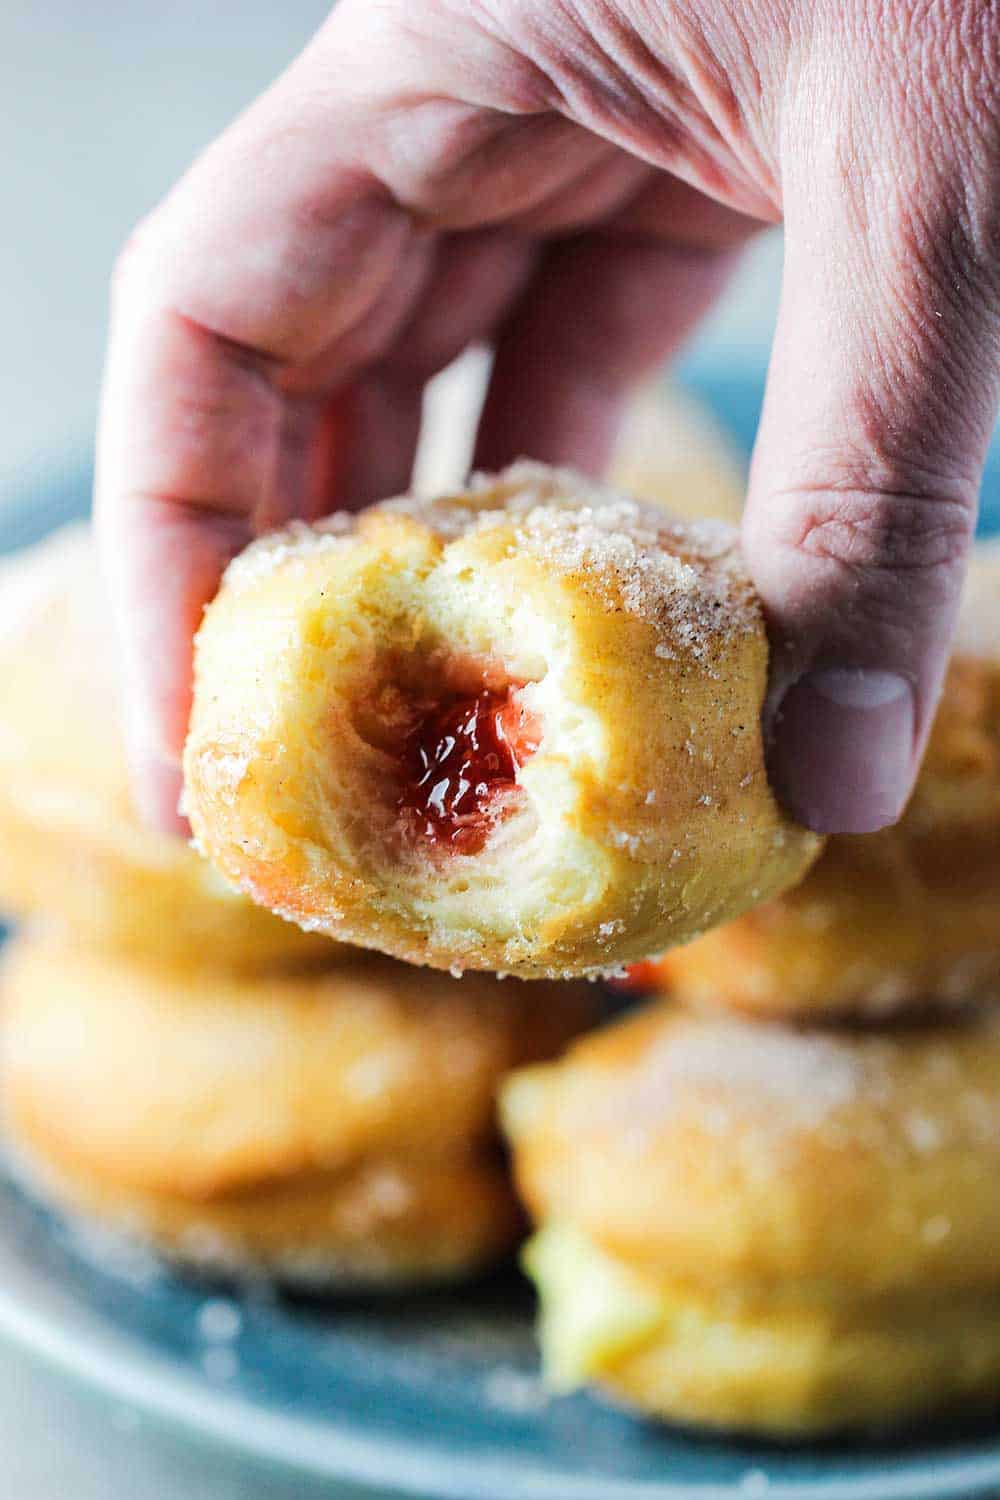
<point x="640" y="978"/>
<point x="460" y="766"/>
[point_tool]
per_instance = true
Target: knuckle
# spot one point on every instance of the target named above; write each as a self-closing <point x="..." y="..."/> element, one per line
<point x="590" y="59"/>
<point x="523" y="33"/>
<point x="878" y="530"/>
<point x="870" y="567"/>
<point x="889" y="502"/>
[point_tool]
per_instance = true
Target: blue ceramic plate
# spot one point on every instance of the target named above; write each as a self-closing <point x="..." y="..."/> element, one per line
<point x="435" y="1395"/>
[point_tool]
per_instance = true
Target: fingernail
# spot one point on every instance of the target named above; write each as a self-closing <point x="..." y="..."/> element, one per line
<point x="842" y="756"/>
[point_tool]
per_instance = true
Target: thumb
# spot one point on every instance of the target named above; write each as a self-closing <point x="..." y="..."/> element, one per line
<point x="880" y="399"/>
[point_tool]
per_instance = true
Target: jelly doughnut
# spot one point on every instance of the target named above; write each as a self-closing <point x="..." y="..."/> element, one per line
<point x="332" y="1127"/>
<point x="746" y="1226"/>
<point x="73" y="853"/>
<point x="517" y="728"/>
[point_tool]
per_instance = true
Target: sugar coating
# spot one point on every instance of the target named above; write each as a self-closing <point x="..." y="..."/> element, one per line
<point x="754" y="1483"/>
<point x="293" y="543"/>
<point x="515" y="1391"/>
<point x="219" y="1320"/>
<point x="886" y="1092"/>
<point x="687" y="579"/>
<point x="801" y="1079"/>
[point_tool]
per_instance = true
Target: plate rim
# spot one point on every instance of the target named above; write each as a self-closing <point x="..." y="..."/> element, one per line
<point x="40" y="1316"/>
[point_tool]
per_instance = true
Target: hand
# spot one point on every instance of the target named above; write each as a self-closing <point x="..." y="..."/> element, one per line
<point x="570" y="180"/>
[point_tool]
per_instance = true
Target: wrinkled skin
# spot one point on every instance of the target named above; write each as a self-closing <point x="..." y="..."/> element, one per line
<point x="572" y="180"/>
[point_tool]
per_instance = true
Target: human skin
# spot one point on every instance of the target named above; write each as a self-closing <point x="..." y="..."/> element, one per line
<point x="571" y="181"/>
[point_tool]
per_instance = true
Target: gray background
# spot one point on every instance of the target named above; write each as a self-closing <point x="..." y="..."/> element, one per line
<point x="102" y="104"/>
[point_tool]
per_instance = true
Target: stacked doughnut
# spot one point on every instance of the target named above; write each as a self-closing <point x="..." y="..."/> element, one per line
<point x="182" y="1066"/>
<point x="904" y="919"/>
<point x="770" y="1201"/>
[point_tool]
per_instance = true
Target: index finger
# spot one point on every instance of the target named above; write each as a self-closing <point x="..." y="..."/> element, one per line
<point x="277" y="268"/>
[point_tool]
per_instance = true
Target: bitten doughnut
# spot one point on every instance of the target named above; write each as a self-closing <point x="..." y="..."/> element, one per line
<point x="333" y="1128"/>
<point x="909" y="917"/>
<point x="72" y="852"/>
<point x="746" y="1226"/>
<point x="513" y="729"/>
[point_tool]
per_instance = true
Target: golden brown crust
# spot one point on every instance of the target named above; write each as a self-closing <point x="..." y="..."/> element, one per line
<point x="905" y="918"/>
<point x="74" y="853"/>
<point x="388" y="1222"/>
<point x="334" y="1128"/>
<point x="812" y="1370"/>
<point x="645" y="814"/>
<point x="200" y="1083"/>
<point x="730" y="1151"/>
